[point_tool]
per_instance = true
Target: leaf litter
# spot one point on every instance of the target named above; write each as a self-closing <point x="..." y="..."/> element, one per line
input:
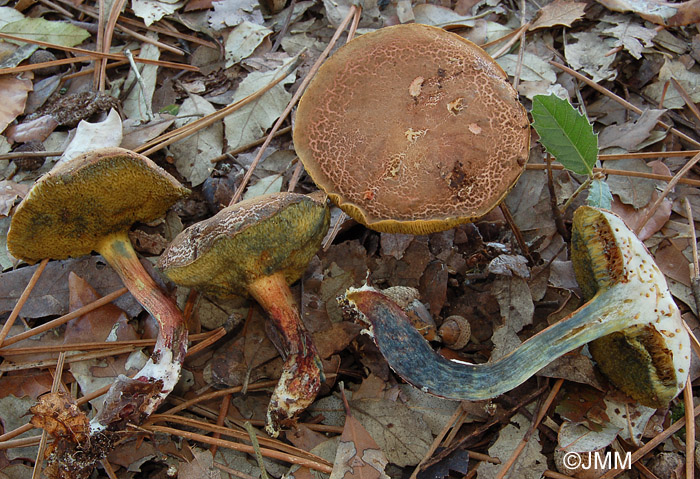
<point x="497" y="289"/>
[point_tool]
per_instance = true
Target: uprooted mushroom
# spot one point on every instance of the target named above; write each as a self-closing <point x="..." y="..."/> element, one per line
<point x="630" y="321"/>
<point x="88" y="204"/>
<point x="412" y="129"/>
<point x="258" y="247"/>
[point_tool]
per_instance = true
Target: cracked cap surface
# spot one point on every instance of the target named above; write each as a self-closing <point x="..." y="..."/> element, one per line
<point x="412" y="129"/>
<point x="70" y="209"/>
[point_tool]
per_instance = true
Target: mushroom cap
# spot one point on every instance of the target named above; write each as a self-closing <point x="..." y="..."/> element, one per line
<point x="650" y="359"/>
<point x="412" y="129"/>
<point x="80" y="202"/>
<point x="276" y="233"/>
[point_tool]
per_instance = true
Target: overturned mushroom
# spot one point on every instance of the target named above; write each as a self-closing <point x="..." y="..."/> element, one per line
<point x="259" y="247"/>
<point x="643" y="347"/>
<point x="412" y="129"/>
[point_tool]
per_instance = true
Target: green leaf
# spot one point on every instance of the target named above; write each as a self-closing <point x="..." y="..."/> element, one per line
<point x="565" y="133"/>
<point x="58" y="33"/>
<point x="599" y="195"/>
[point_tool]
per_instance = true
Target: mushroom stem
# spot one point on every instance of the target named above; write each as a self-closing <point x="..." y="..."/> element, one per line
<point x="412" y="357"/>
<point x="302" y="373"/>
<point x="163" y="367"/>
<point x="631" y="321"/>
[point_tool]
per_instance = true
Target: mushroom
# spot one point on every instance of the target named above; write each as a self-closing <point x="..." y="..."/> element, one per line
<point x="643" y="348"/>
<point x="88" y="204"/>
<point x="258" y="247"/>
<point x="412" y="129"/>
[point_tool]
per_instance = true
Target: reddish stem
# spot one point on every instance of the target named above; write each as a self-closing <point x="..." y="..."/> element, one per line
<point x="302" y="373"/>
<point x="162" y="370"/>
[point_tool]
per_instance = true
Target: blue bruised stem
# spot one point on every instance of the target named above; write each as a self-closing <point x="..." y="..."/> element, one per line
<point x="412" y="357"/>
<point x="631" y="322"/>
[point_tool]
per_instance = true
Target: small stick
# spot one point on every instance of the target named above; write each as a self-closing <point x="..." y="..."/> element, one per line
<point x="223" y="412"/>
<point x="438" y="439"/>
<point x="65" y="318"/>
<point x="242" y="448"/>
<point x="621" y="101"/>
<point x="52" y="63"/>
<point x="111" y="56"/>
<point x="93" y="345"/>
<point x="533" y="425"/>
<point x="239" y="191"/>
<point x="22" y="299"/>
<point x="686" y="98"/>
<point x="29" y="154"/>
<point x="646" y="448"/>
<point x="689" y="430"/>
<point x="649" y="154"/>
<point x="218" y="334"/>
<point x="633" y="174"/>
<point x="250" y="145"/>
<point x="73" y="358"/>
<point x="669" y="186"/>
<point x="516" y="232"/>
<point x="256" y="447"/>
<point x="296" y="174"/>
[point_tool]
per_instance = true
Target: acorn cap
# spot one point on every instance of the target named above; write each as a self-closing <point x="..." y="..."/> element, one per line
<point x="72" y="208"/>
<point x="246" y="241"/>
<point x="412" y="129"/>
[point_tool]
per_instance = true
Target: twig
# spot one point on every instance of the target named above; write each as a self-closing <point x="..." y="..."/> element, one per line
<point x="65" y="318"/>
<point x="485" y="427"/>
<point x="646" y="448"/>
<point x="621" y="101"/>
<point x="248" y="146"/>
<point x="686" y="98"/>
<point x="217" y="334"/>
<point x="633" y="174"/>
<point x="8" y="352"/>
<point x="111" y="56"/>
<point x="223" y="412"/>
<point x="516" y="232"/>
<point x="256" y="447"/>
<point x="533" y="425"/>
<point x="649" y="154"/>
<point x="242" y="448"/>
<point x="72" y="358"/>
<point x="184" y="131"/>
<point x="22" y="299"/>
<point x="246" y="178"/>
<point x="694" y="343"/>
<point x="438" y="439"/>
<point x="689" y="430"/>
<point x="681" y="173"/>
<point x="29" y="154"/>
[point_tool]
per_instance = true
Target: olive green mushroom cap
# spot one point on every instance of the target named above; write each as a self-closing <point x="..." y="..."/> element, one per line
<point x="276" y="233"/>
<point x="80" y="202"/>
<point x="649" y="360"/>
<point x="412" y="129"/>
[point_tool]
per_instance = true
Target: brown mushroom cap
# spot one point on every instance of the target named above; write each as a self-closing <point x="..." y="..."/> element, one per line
<point x="246" y="241"/>
<point x="72" y="208"/>
<point x="412" y="129"/>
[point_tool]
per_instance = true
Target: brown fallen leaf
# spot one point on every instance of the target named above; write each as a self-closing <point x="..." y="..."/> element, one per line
<point x="107" y="322"/>
<point x="58" y="414"/>
<point x="358" y="455"/>
<point x="14" y="96"/>
<point x="559" y="12"/>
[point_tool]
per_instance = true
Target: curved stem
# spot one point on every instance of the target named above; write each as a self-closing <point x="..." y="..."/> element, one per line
<point x="142" y="395"/>
<point x="412" y="357"/>
<point x="302" y="373"/>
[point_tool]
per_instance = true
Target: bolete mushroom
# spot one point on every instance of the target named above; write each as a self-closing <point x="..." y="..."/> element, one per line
<point x="412" y="129"/>
<point x="258" y="247"/>
<point x="643" y="347"/>
<point x="88" y="204"/>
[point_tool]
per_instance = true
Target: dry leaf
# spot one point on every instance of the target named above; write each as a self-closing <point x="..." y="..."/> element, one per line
<point x="13" y="95"/>
<point x="200" y="467"/>
<point x="59" y="415"/>
<point x="358" y="456"/>
<point x="9" y="193"/>
<point x="559" y="12"/>
<point x="107" y="323"/>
